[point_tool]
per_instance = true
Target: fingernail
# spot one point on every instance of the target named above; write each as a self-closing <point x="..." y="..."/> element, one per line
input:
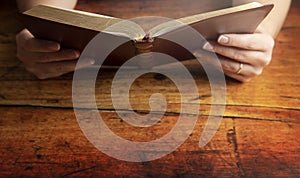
<point x="54" y="46"/>
<point x="208" y="46"/>
<point x="223" y="39"/>
<point x="86" y="62"/>
<point x="91" y="61"/>
<point x="74" y="53"/>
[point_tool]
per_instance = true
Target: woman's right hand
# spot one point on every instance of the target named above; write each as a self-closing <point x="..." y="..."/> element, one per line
<point x="46" y="59"/>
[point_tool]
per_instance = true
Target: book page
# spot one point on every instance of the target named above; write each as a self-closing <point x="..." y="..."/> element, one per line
<point x="88" y="20"/>
<point x="175" y="24"/>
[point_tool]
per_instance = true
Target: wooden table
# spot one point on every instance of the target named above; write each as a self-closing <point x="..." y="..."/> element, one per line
<point x="258" y="136"/>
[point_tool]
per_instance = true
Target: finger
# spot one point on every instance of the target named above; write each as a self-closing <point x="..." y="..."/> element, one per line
<point x="240" y="78"/>
<point x="46" y="57"/>
<point x="255" y="58"/>
<point x="207" y="58"/>
<point x="231" y="67"/>
<point x="245" y="75"/>
<point x="27" y="41"/>
<point x="55" y="69"/>
<point x="257" y="41"/>
<point x="69" y="66"/>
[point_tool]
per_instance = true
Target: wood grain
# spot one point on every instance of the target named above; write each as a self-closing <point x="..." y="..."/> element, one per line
<point x="40" y="141"/>
<point x="258" y="136"/>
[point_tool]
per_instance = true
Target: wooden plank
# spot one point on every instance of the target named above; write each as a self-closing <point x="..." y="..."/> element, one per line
<point x="264" y="146"/>
<point x="58" y="93"/>
<point x="49" y="142"/>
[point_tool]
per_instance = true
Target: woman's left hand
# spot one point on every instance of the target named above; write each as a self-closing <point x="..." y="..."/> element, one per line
<point x="243" y="56"/>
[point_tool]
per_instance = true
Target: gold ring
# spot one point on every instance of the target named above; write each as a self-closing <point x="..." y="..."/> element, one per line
<point x="240" y="68"/>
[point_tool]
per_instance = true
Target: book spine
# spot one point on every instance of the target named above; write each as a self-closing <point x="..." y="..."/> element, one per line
<point x="143" y="48"/>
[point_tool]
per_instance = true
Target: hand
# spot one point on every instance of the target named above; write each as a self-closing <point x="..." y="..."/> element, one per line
<point x="253" y="51"/>
<point x="44" y="58"/>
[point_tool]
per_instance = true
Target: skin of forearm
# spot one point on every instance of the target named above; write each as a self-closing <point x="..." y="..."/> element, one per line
<point x="24" y="5"/>
<point x="274" y="21"/>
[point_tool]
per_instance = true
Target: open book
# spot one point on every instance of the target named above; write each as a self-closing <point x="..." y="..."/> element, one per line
<point x="74" y="29"/>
